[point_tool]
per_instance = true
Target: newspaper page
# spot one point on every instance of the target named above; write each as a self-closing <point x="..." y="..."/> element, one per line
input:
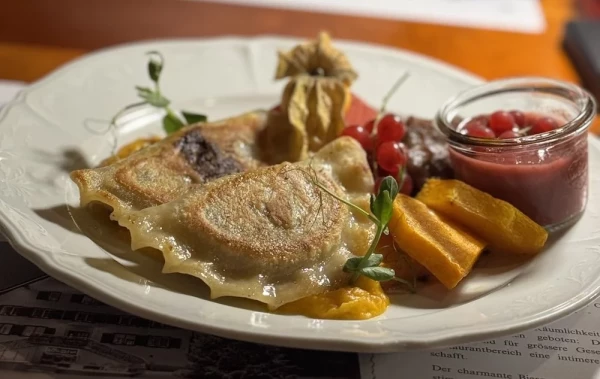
<point x="566" y="349"/>
<point x="525" y="16"/>
<point x="49" y="330"/>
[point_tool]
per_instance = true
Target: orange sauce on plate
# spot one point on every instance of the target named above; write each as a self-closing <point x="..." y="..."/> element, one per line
<point x="363" y="301"/>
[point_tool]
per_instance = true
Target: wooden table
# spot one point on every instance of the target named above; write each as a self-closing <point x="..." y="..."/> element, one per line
<point x="36" y="36"/>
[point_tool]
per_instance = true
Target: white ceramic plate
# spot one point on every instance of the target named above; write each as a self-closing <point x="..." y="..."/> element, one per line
<point x="43" y="137"/>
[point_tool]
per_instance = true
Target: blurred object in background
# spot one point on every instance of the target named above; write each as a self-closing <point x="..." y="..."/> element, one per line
<point x="589" y="8"/>
<point x="525" y="16"/>
<point x="581" y="43"/>
<point x="40" y="35"/>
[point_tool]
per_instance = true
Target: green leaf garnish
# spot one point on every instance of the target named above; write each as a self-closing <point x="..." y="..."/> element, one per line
<point x="172" y="123"/>
<point x="389" y="184"/>
<point x="155" y="98"/>
<point x="382" y="204"/>
<point x="155" y="66"/>
<point x="380" y="274"/>
<point x="192" y="118"/>
<point x="374" y="260"/>
<point x="381" y="213"/>
<point x="382" y="207"/>
<point x="352" y="264"/>
<point x="365" y="259"/>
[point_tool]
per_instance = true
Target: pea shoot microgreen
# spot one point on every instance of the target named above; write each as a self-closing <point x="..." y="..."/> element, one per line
<point x="154" y="97"/>
<point x="381" y="207"/>
<point x="369" y="265"/>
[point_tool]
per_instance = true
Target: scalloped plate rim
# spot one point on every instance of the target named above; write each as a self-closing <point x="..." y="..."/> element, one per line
<point x="44" y="260"/>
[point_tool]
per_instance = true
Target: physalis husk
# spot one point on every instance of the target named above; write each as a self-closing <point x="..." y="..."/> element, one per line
<point x="316" y="97"/>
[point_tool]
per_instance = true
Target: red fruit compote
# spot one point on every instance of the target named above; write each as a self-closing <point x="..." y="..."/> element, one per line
<point x="523" y="140"/>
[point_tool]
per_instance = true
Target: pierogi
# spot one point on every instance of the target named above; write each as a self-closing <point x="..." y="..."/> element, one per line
<point x="269" y="234"/>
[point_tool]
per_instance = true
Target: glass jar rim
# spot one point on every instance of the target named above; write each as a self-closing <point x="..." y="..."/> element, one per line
<point x="526" y="83"/>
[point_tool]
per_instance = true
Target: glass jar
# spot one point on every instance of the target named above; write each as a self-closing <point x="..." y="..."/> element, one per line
<point x="544" y="175"/>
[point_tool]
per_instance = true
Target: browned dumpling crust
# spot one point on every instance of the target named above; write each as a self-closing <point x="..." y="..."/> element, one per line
<point x="269" y="234"/>
<point x="161" y="172"/>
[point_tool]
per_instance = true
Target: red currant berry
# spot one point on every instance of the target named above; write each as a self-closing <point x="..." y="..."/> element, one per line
<point x="519" y="118"/>
<point x="531" y="118"/>
<point x="408" y="185"/>
<point x="471" y="123"/>
<point x="542" y="125"/>
<point x="369" y="126"/>
<point x="390" y="128"/>
<point x="391" y="156"/>
<point x="476" y="129"/>
<point x="501" y="121"/>
<point x="509" y="134"/>
<point x="360" y="134"/>
<point x="483" y="119"/>
<point x="383" y="173"/>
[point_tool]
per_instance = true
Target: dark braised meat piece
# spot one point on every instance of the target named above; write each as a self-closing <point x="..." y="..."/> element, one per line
<point x="427" y="152"/>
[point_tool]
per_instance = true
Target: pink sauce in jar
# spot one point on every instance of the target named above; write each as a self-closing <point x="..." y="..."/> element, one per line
<point x="535" y="160"/>
<point x="548" y="184"/>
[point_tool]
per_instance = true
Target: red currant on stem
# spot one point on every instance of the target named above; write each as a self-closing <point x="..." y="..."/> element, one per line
<point x="501" y="122"/>
<point x="359" y="133"/>
<point x="369" y="126"/>
<point x="388" y="117"/>
<point x="391" y="156"/>
<point x="390" y="128"/>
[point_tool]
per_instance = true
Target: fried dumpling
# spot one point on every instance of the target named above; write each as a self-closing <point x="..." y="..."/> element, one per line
<point x="161" y="172"/>
<point x="269" y="234"/>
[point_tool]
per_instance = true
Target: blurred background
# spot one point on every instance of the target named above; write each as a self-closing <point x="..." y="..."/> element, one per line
<point x="491" y="38"/>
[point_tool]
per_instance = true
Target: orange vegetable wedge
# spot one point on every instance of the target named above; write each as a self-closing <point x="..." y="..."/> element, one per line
<point x="445" y="249"/>
<point x="501" y="225"/>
